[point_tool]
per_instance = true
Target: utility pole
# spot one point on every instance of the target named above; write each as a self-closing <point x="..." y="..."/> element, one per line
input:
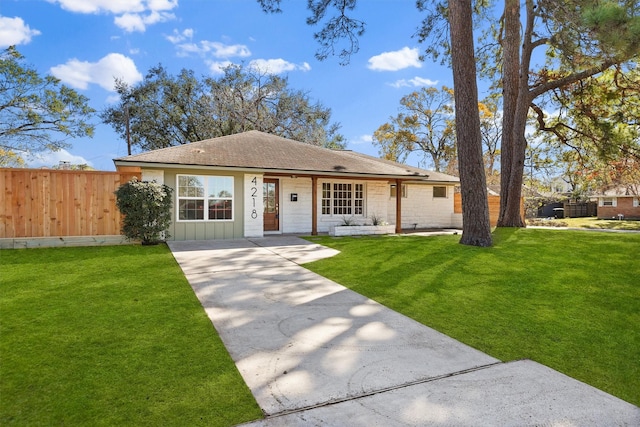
<point x="126" y="113"/>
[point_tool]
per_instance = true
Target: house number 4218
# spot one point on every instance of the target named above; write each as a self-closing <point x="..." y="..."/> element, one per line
<point x="254" y="196"/>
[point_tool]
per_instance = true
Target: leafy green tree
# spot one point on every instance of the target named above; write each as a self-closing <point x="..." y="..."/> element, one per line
<point x="146" y="207"/>
<point x="598" y="116"/>
<point x="578" y="39"/>
<point x="36" y="113"/>
<point x="425" y="125"/>
<point x="581" y="39"/>
<point x="165" y="110"/>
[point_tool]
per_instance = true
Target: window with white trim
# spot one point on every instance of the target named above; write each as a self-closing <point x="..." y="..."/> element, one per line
<point x="342" y="198"/>
<point x="205" y="198"/>
<point x="636" y="202"/>
<point x="609" y="201"/>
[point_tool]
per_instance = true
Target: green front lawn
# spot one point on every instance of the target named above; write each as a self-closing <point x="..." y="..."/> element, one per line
<point x="110" y="336"/>
<point x="567" y="299"/>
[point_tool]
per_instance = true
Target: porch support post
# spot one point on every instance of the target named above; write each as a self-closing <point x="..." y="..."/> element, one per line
<point x="398" y="206"/>
<point x="314" y="205"/>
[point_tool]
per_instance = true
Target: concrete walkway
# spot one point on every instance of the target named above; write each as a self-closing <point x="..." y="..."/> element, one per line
<point x="314" y="353"/>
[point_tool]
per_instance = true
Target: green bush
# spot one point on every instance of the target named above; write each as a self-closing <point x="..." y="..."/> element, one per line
<point x="146" y="207"/>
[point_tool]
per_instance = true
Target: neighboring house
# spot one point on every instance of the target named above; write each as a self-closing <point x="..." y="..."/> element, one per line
<point x="254" y="183"/>
<point x="558" y="185"/>
<point x="620" y="202"/>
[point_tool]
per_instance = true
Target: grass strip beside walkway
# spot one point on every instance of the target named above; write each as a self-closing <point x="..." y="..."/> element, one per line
<point x="110" y="336"/>
<point x="567" y="299"/>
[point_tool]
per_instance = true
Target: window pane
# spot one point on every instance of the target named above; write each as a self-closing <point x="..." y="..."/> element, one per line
<point x="269" y="197"/>
<point x="191" y="209"/>
<point x="190" y="186"/>
<point x="220" y="209"/>
<point x="358" y="202"/>
<point x="342" y="199"/>
<point x="326" y="198"/>
<point x="220" y="186"/>
<point x="440" y="192"/>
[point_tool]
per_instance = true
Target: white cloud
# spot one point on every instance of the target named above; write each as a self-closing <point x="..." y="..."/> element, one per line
<point x="132" y="15"/>
<point x="217" y="67"/>
<point x="218" y="55"/>
<point x="131" y="22"/>
<point x="277" y="66"/>
<point x="206" y="47"/>
<point x="363" y="139"/>
<point x="397" y="60"/>
<point x="101" y="6"/>
<point x="80" y="74"/>
<point x="414" y="82"/>
<point x="178" y="37"/>
<point x="53" y="158"/>
<point x="221" y="50"/>
<point x="13" y="31"/>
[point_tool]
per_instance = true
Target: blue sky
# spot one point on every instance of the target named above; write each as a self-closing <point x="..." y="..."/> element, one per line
<point x="86" y="43"/>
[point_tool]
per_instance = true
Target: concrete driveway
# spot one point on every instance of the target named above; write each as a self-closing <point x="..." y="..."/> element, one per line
<point x="315" y="353"/>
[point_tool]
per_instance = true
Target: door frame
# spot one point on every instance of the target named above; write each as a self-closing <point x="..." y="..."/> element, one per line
<point x="277" y="207"/>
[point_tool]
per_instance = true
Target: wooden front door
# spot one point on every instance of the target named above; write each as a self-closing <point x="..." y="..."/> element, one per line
<point x="271" y="204"/>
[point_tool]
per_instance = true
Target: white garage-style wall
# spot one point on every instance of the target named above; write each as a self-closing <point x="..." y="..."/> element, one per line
<point x="421" y="209"/>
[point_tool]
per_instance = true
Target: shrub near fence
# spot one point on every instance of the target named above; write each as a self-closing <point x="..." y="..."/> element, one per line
<point x="60" y="203"/>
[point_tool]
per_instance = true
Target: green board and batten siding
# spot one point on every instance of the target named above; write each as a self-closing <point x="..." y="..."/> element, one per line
<point x="208" y="230"/>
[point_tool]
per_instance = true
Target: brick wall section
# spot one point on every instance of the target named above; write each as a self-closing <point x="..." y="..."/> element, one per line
<point x="624" y="207"/>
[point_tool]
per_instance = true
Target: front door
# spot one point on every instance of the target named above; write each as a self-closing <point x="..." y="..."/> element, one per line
<point x="271" y="208"/>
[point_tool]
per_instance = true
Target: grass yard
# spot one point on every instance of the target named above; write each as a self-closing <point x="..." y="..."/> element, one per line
<point x="567" y="299"/>
<point x="107" y="336"/>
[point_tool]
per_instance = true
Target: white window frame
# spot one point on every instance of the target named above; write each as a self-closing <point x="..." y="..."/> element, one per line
<point x="446" y="192"/>
<point x="612" y="200"/>
<point x="334" y="205"/>
<point x="636" y="202"/>
<point x="205" y="198"/>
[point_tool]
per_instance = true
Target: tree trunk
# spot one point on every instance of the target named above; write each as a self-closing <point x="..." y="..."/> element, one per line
<point x="515" y="83"/>
<point x="476" y="229"/>
<point x="510" y="93"/>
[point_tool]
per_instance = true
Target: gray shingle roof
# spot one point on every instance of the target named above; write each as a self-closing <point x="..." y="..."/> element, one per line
<point x="256" y="150"/>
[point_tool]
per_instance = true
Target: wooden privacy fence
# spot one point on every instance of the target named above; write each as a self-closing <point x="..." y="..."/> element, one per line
<point x="51" y="203"/>
<point x="494" y="207"/>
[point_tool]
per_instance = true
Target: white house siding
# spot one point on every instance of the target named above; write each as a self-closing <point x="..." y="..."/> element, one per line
<point x="156" y="175"/>
<point x="421" y="210"/>
<point x="295" y="217"/>
<point x="377" y="202"/>
<point x="254" y="202"/>
<point x="376" y="195"/>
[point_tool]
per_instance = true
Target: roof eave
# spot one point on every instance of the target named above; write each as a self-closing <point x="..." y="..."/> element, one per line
<point x="299" y="172"/>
